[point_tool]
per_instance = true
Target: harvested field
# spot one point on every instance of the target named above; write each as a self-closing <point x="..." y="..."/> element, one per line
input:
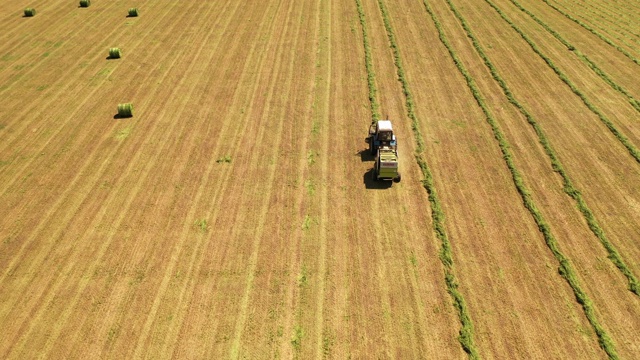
<point x="234" y="215"/>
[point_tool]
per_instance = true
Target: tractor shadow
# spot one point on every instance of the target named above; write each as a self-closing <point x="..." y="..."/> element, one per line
<point x="369" y="183"/>
<point x="365" y="155"/>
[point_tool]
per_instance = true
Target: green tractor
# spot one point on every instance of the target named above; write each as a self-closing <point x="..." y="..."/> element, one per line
<point x="383" y="144"/>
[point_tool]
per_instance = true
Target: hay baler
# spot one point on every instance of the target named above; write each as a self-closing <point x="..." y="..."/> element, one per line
<point x="383" y="144"/>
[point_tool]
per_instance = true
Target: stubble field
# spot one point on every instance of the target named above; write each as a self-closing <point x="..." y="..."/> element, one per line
<point x="234" y="215"/>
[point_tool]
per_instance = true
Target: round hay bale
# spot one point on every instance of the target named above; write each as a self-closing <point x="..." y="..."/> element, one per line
<point x="125" y="110"/>
<point x="133" y="12"/>
<point x="114" y="53"/>
<point x="29" y="12"/>
<point x="85" y="3"/>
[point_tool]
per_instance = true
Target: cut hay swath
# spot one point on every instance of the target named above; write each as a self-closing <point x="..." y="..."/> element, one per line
<point x="85" y="3"/>
<point x="125" y="110"/>
<point x="114" y="53"/>
<point x="29" y="12"/>
<point x="133" y="12"/>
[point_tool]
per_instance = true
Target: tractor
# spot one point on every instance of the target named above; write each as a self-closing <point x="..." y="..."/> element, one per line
<point x="382" y="144"/>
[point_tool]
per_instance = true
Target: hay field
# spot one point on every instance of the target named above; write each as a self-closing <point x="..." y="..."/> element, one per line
<point x="234" y="215"/>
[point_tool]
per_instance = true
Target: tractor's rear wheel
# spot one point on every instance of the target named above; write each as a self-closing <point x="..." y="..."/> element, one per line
<point x="397" y="178"/>
<point x="374" y="176"/>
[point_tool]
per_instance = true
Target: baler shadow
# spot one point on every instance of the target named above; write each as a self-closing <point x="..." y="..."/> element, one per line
<point x="365" y="155"/>
<point x="370" y="183"/>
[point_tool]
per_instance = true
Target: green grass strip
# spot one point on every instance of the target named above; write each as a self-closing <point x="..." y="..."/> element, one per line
<point x="565" y="268"/>
<point x="594" y="32"/>
<point x="635" y="103"/>
<point x="446" y="256"/>
<point x="568" y="187"/>
<point x="623" y="139"/>
<point x="371" y="80"/>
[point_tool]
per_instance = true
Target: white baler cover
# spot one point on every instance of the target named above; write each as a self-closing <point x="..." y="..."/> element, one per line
<point x="384" y="125"/>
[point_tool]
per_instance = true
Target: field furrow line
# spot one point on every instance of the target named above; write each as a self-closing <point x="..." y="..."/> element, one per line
<point x="285" y="70"/>
<point x="446" y="256"/>
<point x="568" y="186"/>
<point x="69" y="187"/>
<point x="592" y="65"/>
<point x="565" y="268"/>
<point x="238" y="129"/>
<point x="306" y="274"/>
<point x="253" y="132"/>
<point x="628" y="7"/>
<point x="187" y="291"/>
<point x="594" y="32"/>
<point x="323" y="339"/>
<point x="624" y="140"/>
<point x="378" y="237"/>
<point x="56" y="137"/>
<point x="622" y="9"/>
<point x="59" y="282"/>
<point x="616" y="25"/>
<point x="178" y="247"/>
<point x="308" y="321"/>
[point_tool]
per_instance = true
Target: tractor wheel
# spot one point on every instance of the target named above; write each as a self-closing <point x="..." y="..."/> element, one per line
<point x="397" y="178"/>
<point x="374" y="176"/>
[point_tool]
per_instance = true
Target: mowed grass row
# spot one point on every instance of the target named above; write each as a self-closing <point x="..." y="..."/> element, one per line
<point x="594" y="32"/>
<point x="613" y="22"/>
<point x="592" y="65"/>
<point x="371" y="82"/>
<point x="565" y="79"/>
<point x="568" y="186"/>
<point x="565" y="268"/>
<point x="465" y="337"/>
<point x="614" y="17"/>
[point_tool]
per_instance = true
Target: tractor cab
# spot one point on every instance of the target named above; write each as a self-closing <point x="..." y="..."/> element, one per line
<point x="381" y="134"/>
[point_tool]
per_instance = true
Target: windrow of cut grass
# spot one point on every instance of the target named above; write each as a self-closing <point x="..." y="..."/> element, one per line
<point x="568" y="186"/>
<point x="596" y="69"/>
<point x="371" y="81"/>
<point x="466" y="333"/>
<point x="614" y="130"/>
<point x="613" y="21"/>
<point x="565" y="268"/>
<point x="594" y="32"/>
